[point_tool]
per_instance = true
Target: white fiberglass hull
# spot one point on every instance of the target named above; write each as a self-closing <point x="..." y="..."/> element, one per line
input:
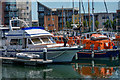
<point x="60" y="54"/>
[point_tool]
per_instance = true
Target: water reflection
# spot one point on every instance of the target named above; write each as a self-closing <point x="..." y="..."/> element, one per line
<point x="77" y="69"/>
<point x="98" y="69"/>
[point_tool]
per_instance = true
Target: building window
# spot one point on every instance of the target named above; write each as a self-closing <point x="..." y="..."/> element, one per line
<point x="105" y="17"/>
<point x="27" y="2"/>
<point x="53" y="13"/>
<point x="42" y="14"/>
<point x="53" y="19"/>
<point x="41" y="8"/>
<point x="75" y="18"/>
<point x="48" y="19"/>
<point x="27" y="8"/>
<point x="48" y="13"/>
<point x="48" y="24"/>
<point x="103" y="23"/>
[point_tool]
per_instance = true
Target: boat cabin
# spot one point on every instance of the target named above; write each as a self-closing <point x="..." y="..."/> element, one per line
<point x="97" y="42"/>
<point x="110" y="35"/>
<point x="31" y="37"/>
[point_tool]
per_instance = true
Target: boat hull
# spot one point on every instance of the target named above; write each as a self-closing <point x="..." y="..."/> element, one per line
<point x="64" y="54"/>
<point x="98" y="54"/>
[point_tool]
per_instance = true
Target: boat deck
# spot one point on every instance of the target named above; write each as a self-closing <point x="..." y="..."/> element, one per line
<point x="12" y="60"/>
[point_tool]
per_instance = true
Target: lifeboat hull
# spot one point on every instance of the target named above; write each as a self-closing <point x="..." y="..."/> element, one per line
<point x="98" y="54"/>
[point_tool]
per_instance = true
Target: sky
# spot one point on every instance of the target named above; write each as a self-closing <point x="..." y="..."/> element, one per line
<point x="112" y="5"/>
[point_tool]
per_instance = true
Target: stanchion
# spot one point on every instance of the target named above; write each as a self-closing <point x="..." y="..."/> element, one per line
<point x="93" y="53"/>
<point x="76" y="56"/>
<point x="45" y="54"/>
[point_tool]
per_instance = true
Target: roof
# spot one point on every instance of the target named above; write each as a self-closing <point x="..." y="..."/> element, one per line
<point x="29" y="32"/>
<point x="43" y="5"/>
<point x="34" y="20"/>
<point x="55" y="9"/>
<point x="68" y="8"/>
<point x="98" y="35"/>
<point x="37" y="32"/>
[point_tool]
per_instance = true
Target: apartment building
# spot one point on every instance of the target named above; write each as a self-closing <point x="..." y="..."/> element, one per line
<point x="100" y="17"/>
<point x="0" y="12"/>
<point x="16" y="8"/>
<point x="61" y="16"/>
<point x="51" y="22"/>
<point x="118" y="16"/>
<point x="34" y="23"/>
<point x="24" y="10"/>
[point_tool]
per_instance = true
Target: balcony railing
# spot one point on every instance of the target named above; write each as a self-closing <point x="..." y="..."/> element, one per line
<point x="13" y="9"/>
<point x="11" y="15"/>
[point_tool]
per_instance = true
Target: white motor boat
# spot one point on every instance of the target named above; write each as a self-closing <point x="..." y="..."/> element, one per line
<point x="33" y="40"/>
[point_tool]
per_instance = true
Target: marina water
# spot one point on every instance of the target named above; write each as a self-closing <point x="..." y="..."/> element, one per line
<point x="76" y="69"/>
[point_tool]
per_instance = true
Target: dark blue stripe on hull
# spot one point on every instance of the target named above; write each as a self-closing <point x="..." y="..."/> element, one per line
<point x="40" y="50"/>
<point x="107" y="54"/>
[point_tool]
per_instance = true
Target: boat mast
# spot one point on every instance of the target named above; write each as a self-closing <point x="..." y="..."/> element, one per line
<point x="80" y="15"/>
<point x="73" y="12"/>
<point x="79" y="12"/>
<point x="89" y="14"/>
<point x="84" y="13"/>
<point x="93" y="25"/>
<point x="62" y="18"/>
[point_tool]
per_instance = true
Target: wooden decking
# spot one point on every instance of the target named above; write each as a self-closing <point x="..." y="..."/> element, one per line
<point x="14" y="60"/>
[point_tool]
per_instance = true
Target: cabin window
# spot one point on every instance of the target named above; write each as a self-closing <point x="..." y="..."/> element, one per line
<point x="55" y="38"/>
<point x="105" y="34"/>
<point x="36" y="40"/>
<point x="87" y="35"/>
<point x="29" y="42"/>
<point x="16" y="42"/>
<point x="113" y="35"/>
<point x="52" y="40"/>
<point x="109" y="35"/>
<point x="45" y="40"/>
<point x="60" y="39"/>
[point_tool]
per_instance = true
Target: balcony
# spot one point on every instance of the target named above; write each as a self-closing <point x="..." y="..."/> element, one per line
<point x="60" y="15"/>
<point x="11" y="10"/>
<point x="7" y="15"/>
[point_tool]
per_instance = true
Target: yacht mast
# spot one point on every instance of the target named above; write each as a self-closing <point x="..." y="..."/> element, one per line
<point x="80" y="15"/>
<point x="62" y="18"/>
<point x="89" y="14"/>
<point x="73" y="12"/>
<point x="79" y="12"/>
<point x="93" y="24"/>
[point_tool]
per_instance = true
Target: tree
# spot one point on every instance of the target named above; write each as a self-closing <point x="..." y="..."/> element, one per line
<point x="96" y="24"/>
<point x="114" y="23"/>
<point x="68" y="24"/>
<point x="107" y="24"/>
<point x="85" y="25"/>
